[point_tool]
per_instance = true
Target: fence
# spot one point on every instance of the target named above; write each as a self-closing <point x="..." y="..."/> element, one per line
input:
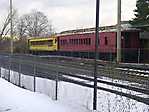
<point x="128" y="55"/>
<point x="29" y="66"/>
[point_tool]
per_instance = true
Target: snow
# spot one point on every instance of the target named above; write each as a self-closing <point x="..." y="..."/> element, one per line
<point x="15" y="99"/>
<point x="71" y="97"/>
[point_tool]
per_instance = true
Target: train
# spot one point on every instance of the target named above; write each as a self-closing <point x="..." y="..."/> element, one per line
<point x="81" y="43"/>
<point x="43" y="44"/>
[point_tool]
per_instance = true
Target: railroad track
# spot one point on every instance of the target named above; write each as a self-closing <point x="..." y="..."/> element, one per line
<point x="69" y="70"/>
<point x="126" y="72"/>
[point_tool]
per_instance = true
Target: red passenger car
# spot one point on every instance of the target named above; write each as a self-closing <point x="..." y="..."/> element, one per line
<point x="85" y="42"/>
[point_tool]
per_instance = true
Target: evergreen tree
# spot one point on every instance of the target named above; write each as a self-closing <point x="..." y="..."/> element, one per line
<point x="141" y="14"/>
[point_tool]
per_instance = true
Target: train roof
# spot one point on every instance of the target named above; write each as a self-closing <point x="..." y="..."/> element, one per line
<point x="125" y="27"/>
<point x="43" y="38"/>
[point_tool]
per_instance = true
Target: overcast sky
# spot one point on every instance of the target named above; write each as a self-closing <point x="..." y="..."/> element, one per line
<point x="72" y="14"/>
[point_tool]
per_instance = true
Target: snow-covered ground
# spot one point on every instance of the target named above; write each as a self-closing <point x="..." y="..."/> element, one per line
<point x="15" y="99"/>
<point x="71" y="97"/>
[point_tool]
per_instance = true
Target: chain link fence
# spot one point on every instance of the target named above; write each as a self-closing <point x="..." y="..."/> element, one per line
<point x="122" y="79"/>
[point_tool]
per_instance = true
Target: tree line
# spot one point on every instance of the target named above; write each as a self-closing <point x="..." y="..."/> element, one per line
<point x="141" y="13"/>
<point x="34" y="24"/>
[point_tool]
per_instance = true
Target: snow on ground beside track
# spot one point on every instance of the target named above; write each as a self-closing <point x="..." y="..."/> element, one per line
<point x="15" y="99"/>
<point x="79" y="97"/>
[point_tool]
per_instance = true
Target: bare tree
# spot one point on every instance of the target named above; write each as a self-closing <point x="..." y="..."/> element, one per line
<point x="5" y="29"/>
<point x="21" y="28"/>
<point x="35" y="24"/>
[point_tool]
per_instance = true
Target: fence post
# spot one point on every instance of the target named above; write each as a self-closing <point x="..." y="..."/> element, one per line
<point x="34" y="67"/>
<point x="19" y="73"/>
<point x="79" y="54"/>
<point x="56" y="86"/>
<point x="9" y="63"/>
<point x="0" y="72"/>
<point x="139" y="55"/>
<point x="88" y="55"/>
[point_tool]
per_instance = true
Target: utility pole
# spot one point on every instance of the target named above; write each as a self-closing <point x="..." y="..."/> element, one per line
<point x="11" y="28"/>
<point x="119" y="31"/>
<point x="96" y="56"/>
<point x="11" y="39"/>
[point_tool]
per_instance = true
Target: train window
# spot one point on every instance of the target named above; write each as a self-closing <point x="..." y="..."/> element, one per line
<point x="77" y="41"/>
<point x="47" y="42"/>
<point x="55" y="41"/>
<point x="34" y="43"/>
<point x="31" y="43"/>
<point x="81" y="41"/>
<point x="74" y="41"/>
<point x="65" y="42"/>
<point x="89" y="41"/>
<point x="60" y="42"/>
<point x="70" y="41"/>
<point x="86" y="41"/>
<point x="106" y="41"/>
<point x="50" y="43"/>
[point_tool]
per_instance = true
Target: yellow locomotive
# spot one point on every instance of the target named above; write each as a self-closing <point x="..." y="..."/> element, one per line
<point x="43" y="44"/>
